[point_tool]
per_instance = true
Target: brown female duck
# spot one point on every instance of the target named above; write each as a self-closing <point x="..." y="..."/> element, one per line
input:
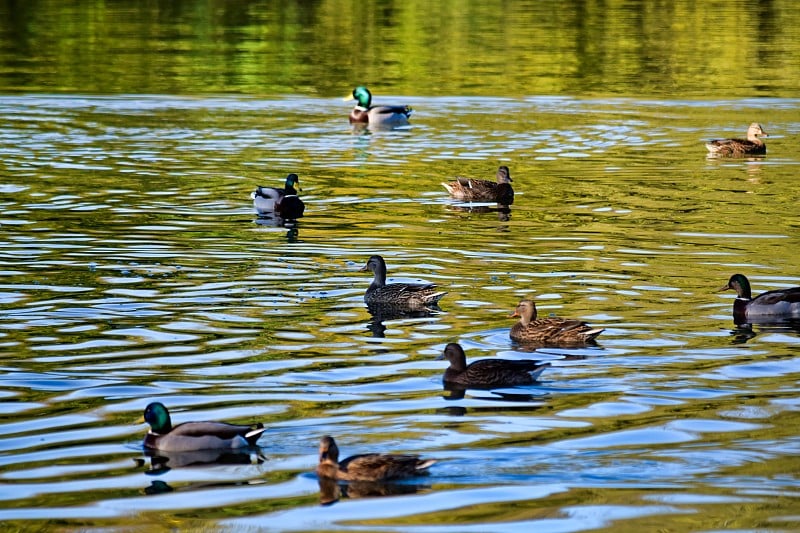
<point x="777" y="304"/>
<point x="193" y="436"/>
<point x="468" y="189"/>
<point x="486" y="373"/>
<point x="367" y="467"/>
<point x="550" y="331"/>
<point x="380" y="115"/>
<point x="398" y="295"/>
<point x="739" y="147"/>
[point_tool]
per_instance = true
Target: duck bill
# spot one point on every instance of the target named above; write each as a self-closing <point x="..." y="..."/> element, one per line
<point x="724" y="288"/>
<point x="363" y="269"/>
<point x="514" y="314"/>
<point x="348" y="98"/>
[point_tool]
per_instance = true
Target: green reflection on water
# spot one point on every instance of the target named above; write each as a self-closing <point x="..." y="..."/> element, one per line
<point x="685" y="48"/>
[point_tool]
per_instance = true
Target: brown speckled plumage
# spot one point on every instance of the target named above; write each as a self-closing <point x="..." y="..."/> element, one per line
<point x="740" y="147"/>
<point x="473" y="190"/>
<point x="367" y="467"/>
<point x="550" y="331"/>
<point x="488" y="372"/>
<point x="399" y="295"/>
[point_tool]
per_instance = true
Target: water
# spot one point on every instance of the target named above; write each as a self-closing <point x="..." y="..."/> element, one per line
<point x="132" y="269"/>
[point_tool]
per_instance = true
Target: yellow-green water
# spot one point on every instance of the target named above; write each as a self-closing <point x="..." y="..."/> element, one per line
<point x="132" y="268"/>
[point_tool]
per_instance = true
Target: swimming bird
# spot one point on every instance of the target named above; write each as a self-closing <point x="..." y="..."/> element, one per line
<point x="369" y="466"/>
<point x="778" y="303"/>
<point x="192" y="436"/>
<point x="483" y="190"/>
<point x="488" y="372"/>
<point x="405" y="295"/>
<point x="380" y="115"/>
<point x="282" y="202"/>
<point x="739" y="147"/>
<point x="550" y="331"/>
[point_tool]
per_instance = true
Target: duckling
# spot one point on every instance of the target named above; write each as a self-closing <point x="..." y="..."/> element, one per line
<point x="406" y="295"/>
<point x="282" y="202"/>
<point x="551" y="331"/>
<point x="381" y="115"/>
<point x="778" y="303"/>
<point x="486" y="373"/>
<point x="483" y="190"/>
<point x="192" y="436"/>
<point x="367" y="467"/>
<point x="739" y="147"/>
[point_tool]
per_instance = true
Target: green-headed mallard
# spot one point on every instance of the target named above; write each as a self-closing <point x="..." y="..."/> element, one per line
<point x="399" y="295"/>
<point x="550" y="331"/>
<point x="488" y="372"/>
<point x="192" y="436"/>
<point x="468" y="189"/>
<point x="380" y="115"/>
<point x="367" y="467"/>
<point x="738" y="147"/>
<point x="781" y="303"/>
<point x="282" y="202"/>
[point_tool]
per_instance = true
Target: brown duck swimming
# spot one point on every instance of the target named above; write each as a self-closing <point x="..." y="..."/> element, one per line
<point x="397" y="295"/>
<point x="367" y="467"/>
<point x="550" y="331"/>
<point x="781" y="303"/>
<point x="739" y="147"/>
<point x="380" y="115"/>
<point x="472" y="190"/>
<point x="193" y="436"/>
<point x="488" y="372"/>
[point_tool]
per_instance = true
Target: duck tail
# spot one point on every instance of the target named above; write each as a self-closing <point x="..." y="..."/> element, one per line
<point x="424" y="464"/>
<point x="593" y="333"/>
<point x="536" y="372"/>
<point x="252" y="436"/>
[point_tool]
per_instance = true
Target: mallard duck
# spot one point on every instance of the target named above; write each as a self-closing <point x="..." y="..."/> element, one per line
<point x="488" y="372"/>
<point x="778" y="303"/>
<point x="399" y="295"/>
<point x="468" y="189"/>
<point x="738" y="147"/>
<point x="282" y="202"/>
<point x="367" y="467"/>
<point x="551" y="331"/>
<point x="192" y="436"/>
<point x="379" y="115"/>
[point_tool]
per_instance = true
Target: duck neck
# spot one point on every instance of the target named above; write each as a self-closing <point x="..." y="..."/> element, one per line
<point x="380" y="277"/>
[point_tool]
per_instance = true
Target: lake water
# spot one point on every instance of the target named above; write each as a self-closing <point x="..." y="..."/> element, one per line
<point x="132" y="268"/>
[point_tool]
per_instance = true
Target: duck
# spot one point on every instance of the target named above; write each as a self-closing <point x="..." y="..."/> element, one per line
<point x="473" y="190"/>
<point x="485" y="373"/>
<point x="550" y="331"/>
<point x="397" y="295"/>
<point x="368" y="466"/>
<point x="193" y="436"/>
<point x="739" y="147"/>
<point x="781" y="303"/>
<point x="380" y="115"/>
<point x="282" y="202"/>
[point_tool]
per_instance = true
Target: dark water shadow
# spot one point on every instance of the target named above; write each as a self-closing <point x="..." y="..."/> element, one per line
<point x="745" y="331"/>
<point x="331" y="490"/>
<point x="384" y="312"/>
<point x="159" y="462"/>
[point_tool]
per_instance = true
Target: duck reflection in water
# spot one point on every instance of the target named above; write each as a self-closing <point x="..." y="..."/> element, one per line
<point x="331" y="490"/>
<point x="161" y="461"/>
<point x="383" y="312"/>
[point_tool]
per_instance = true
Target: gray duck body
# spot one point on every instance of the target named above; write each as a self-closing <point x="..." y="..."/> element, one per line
<point x="485" y="373"/>
<point x="397" y="295"/>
